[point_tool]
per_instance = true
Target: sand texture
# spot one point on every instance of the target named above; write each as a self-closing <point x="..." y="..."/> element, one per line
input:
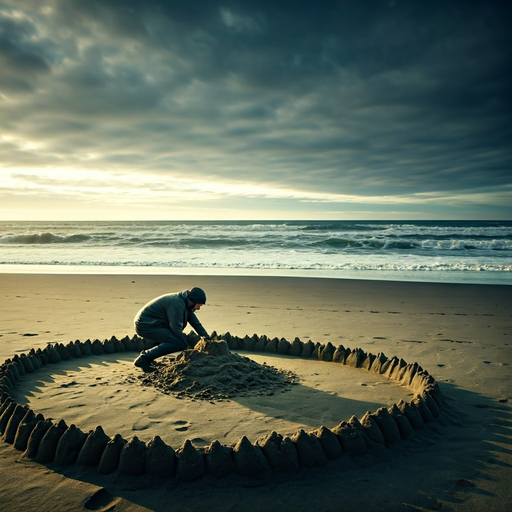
<point x="353" y="394"/>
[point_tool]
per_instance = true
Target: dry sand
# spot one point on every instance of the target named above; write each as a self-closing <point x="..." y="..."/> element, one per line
<point x="459" y="333"/>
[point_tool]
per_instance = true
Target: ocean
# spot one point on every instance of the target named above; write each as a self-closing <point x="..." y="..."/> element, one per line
<point x="449" y="251"/>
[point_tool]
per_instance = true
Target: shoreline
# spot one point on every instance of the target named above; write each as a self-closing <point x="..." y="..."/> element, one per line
<point x="460" y="334"/>
<point x="435" y="277"/>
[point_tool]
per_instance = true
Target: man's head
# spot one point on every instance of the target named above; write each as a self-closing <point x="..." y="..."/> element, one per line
<point x="197" y="297"/>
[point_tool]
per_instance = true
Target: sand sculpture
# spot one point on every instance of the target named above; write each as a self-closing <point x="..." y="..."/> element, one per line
<point x="197" y="375"/>
<point x="47" y="441"/>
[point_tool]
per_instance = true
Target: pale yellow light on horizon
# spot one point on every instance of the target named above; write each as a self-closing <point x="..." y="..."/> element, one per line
<point x="92" y="194"/>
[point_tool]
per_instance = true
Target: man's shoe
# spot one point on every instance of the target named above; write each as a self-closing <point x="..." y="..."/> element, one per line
<point x="144" y="363"/>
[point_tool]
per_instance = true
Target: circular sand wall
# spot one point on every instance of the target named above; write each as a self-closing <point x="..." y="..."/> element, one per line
<point x="51" y="441"/>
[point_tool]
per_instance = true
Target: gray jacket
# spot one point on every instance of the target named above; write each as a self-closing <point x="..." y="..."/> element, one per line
<point x="170" y="311"/>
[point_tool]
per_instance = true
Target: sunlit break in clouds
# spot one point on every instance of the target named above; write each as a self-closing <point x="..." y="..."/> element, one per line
<point x="255" y="110"/>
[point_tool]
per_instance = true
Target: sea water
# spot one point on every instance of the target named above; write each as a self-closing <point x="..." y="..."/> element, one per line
<point x="448" y="251"/>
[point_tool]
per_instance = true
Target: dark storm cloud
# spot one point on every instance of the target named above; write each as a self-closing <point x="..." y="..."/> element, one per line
<point x="351" y="97"/>
<point x="20" y="59"/>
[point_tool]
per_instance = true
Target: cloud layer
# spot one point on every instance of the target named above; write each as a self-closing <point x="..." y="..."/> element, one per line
<point x="262" y="105"/>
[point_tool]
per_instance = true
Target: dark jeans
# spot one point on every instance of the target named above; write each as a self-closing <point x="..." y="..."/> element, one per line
<point x="167" y="341"/>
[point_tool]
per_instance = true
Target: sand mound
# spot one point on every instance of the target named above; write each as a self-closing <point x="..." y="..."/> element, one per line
<point x="210" y="371"/>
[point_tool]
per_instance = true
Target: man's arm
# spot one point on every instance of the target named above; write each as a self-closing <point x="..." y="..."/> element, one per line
<point x="197" y="326"/>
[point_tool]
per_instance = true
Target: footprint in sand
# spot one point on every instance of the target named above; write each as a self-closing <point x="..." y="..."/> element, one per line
<point x="68" y="384"/>
<point x="199" y="441"/>
<point x="101" y="500"/>
<point x="144" y="424"/>
<point x="182" y="425"/>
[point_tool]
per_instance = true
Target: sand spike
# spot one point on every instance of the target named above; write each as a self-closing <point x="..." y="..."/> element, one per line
<point x="387" y="425"/>
<point x="160" y="458"/>
<point x="327" y="352"/>
<point x="310" y="450"/>
<point x="110" y="457"/>
<point x="356" y="358"/>
<point x="368" y="361"/>
<point x="307" y="349"/>
<point x="132" y="457"/>
<point x="339" y="355"/>
<point x="74" y="349"/>
<point x="261" y="344"/>
<point x="271" y="346"/>
<point x="379" y="361"/>
<point x="109" y="347"/>
<point x="296" y="347"/>
<point x="351" y="438"/>
<point x="389" y="366"/>
<point x="6" y="415"/>
<point x="43" y="357"/>
<point x="219" y="459"/>
<point x="119" y="346"/>
<point x="283" y="347"/>
<point x="398" y="370"/>
<point x="27" y="424"/>
<point x="97" y="348"/>
<point x="36" y="363"/>
<point x="129" y="345"/>
<point x="249" y="459"/>
<point x="48" y="445"/>
<point x="69" y="446"/>
<point x="403" y="424"/>
<point x="35" y="438"/>
<point x="19" y="364"/>
<point x="371" y="428"/>
<point x="63" y="352"/>
<point x="430" y="402"/>
<point x="94" y="445"/>
<point x="412" y="413"/>
<point x="86" y="348"/>
<point x="13" y="423"/>
<point x="280" y="452"/>
<point x="190" y="463"/>
<point x="249" y="343"/>
<point x="12" y="370"/>
<point x="426" y="415"/>
<point x="317" y="351"/>
<point x="27" y="363"/>
<point x="329" y="441"/>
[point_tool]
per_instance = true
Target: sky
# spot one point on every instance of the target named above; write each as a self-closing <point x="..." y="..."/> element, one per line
<point x="255" y="109"/>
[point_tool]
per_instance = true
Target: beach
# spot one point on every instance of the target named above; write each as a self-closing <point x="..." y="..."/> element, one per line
<point x="459" y="333"/>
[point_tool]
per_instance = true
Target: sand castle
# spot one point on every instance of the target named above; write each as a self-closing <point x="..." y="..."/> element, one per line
<point x="54" y="442"/>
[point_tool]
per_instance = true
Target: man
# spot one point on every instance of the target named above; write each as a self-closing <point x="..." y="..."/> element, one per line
<point x="163" y="319"/>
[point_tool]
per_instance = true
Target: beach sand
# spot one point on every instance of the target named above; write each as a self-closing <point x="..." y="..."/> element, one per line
<point x="460" y="334"/>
